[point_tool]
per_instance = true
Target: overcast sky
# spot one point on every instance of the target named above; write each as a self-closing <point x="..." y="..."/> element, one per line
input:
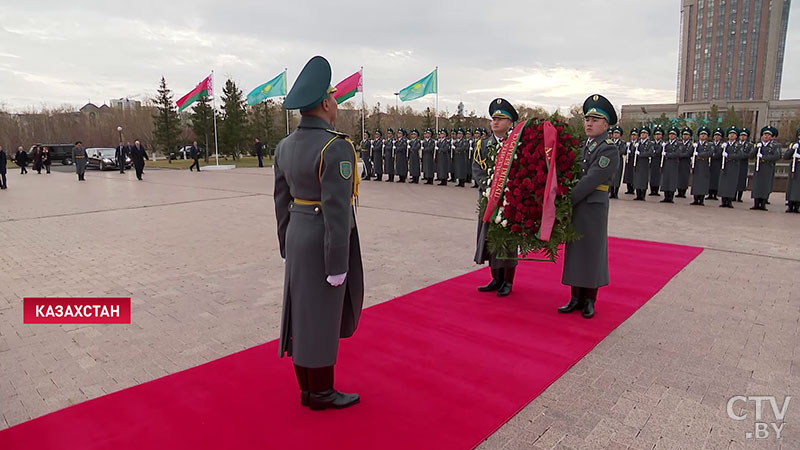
<point x="547" y="53"/>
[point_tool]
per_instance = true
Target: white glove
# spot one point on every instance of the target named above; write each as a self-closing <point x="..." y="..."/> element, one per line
<point x="284" y="260"/>
<point x="336" y="280"/>
<point x="796" y="154"/>
<point x="796" y="146"/>
<point x="695" y="153"/>
<point x="725" y="154"/>
<point x="637" y="152"/>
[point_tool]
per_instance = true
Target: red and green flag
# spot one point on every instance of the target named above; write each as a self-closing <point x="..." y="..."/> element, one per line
<point x="204" y="89"/>
<point x="347" y="88"/>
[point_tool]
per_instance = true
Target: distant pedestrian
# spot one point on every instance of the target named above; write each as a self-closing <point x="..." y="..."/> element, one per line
<point x="121" y="155"/>
<point x="37" y="159"/>
<point x="21" y="158"/>
<point x="138" y="155"/>
<point x="79" y="156"/>
<point x="46" y="158"/>
<point x="194" y="151"/>
<point x="259" y="147"/>
<point x="3" y="163"/>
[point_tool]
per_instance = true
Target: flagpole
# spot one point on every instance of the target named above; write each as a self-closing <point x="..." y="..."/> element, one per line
<point x="436" y="108"/>
<point x="286" y="80"/>
<point x="214" y="114"/>
<point x="362" y="101"/>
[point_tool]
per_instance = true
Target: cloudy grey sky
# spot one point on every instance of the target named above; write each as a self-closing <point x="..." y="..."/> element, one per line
<point x="546" y="53"/>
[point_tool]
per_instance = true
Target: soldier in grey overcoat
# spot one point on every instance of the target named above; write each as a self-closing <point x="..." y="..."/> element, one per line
<point x="685" y="161"/>
<point x="701" y="172"/>
<point x="377" y="155"/>
<point x="615" y="133"/>
<point x="630" y="147"/>
<point x="366" y="156"/>
<point x="586" y="259"/>
<point x="316" y="183"/>
<point x="79" y="156"/>
<point x="503" y="267"/>
<point x="461" y="157"/>
<point x="655" y="167"/>
<point x="716" y="164"/>
<point x="414" y="146"/>
<point x="729" y="168"/>
<point x="643" y="149"/>
<point x="388" y="155"/>
<point x="428" y="156"/>
<point x="442" y="157"/>
<point x="669" y="161"/>
<point x="765" y="153"/>
<point x="401" y="155"/>
<point x="793" y="187"/>
<point x="744" y="166"/>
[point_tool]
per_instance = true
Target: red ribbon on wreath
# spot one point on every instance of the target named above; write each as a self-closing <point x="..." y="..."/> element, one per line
<point x="502" y="165"/>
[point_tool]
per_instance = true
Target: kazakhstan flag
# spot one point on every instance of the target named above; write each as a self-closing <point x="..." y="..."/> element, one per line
<point x="275" y="87"/>
<point x="423" y="87"/>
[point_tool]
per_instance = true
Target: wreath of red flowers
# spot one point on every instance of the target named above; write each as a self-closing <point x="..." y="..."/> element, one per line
<point x="519" y="217"/>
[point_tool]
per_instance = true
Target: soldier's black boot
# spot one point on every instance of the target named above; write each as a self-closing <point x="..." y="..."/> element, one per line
<point x="653" y="190"/>
<point x="430" y="181"/>
<point x="402" y="180"/>
<point x="739" y="196"/>
<point x="698" y="200"/>
<point x="575" y="301"/>
<point x="756" y="204"/>
<point x="322" y="395"/>
<point x="302" y="382"/>
<point x="460" y="183"/>
<point x="613" y="192"/>
<point x="668" y="197"/>
<point x="497" y="281"/>
<point x="590" y="296"/>
<point x="681" y="193"/>
<point x="443" y="182"/>
<point x="508" y="281"/>
<point x="475" y="185"/>
<point x="630" y="189"/>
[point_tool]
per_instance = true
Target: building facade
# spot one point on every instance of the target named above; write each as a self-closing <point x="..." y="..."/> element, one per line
<point x="731" y="50"/>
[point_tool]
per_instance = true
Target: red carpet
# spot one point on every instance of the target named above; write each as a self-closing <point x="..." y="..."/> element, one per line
<point x="439" y="368"/>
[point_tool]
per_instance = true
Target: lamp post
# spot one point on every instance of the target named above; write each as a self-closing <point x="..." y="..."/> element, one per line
<point x="119" y="130"/>
<point x="396" y="96"/>
<point x="121" y="159"/>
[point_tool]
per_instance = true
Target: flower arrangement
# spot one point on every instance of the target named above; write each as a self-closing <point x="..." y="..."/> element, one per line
<point x="516" y="221"/>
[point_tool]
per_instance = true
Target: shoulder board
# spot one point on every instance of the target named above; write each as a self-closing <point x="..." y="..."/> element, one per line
<point x="338" y="133"/>
<point x="609" y="141"/>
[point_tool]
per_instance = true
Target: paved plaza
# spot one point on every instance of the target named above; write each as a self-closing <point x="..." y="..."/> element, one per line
<point x="197" y="253"/>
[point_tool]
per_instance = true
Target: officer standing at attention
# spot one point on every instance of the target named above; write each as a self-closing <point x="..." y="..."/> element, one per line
<point x="414" y="146"/>
<point x="669" y="163"/>
<point x="79" y="157"/>
<point x="586" y="259"/>
<point x="627" y="176"/>
<point x="765" y="153"/>
<point x="729" y="169"/>
<point x="366" y="156"/>
<point x="442" y="157"/>
<point x="316" y="184"/>
<point x="701" y="178"/>
<point x="643" y="149"/>
<point x="388" y="155"/>
<point x="793" y="188"/>
<point x="655" y="166"/>
<point x="746" y="147"/>
<point x="716" y="164"/>
<point x="428" y="157"/>
<point x="401" y="155"/>
<point x="503" y="269"/>
<point x="616" y="134"/>
<point x="685" y="161"/>
<point x="377" y="155"/>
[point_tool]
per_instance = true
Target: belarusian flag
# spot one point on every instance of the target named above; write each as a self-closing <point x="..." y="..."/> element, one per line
<point x="348" y="87"/>
<point x="204" y="89"/>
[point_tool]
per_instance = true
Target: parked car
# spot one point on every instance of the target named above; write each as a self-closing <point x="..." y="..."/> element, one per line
<point x="185" y="152"/>
<point x="104" y="158"/>
<point x="58" y="152"/>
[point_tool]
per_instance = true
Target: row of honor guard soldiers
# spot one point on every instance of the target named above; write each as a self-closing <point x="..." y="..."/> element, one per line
<point x="718" y="168"/>
<point x="446" y="157"/>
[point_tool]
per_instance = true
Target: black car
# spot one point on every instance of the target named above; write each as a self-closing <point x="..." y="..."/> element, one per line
<point x="58" y="152"/>
<point x="104" y="158"/>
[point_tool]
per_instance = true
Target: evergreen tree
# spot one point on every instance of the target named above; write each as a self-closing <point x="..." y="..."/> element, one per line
<point x="731" y="118"/>
<point x="166" y="122"/>
<point x="202" y="122"/>
<point x="428" y="120"/>
<point x="232" y="131"/>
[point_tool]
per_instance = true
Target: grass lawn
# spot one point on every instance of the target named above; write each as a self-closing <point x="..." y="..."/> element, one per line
<point x="246" y="161"/>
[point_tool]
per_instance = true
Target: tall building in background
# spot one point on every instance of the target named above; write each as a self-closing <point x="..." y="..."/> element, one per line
<point x="731" y="49"/>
